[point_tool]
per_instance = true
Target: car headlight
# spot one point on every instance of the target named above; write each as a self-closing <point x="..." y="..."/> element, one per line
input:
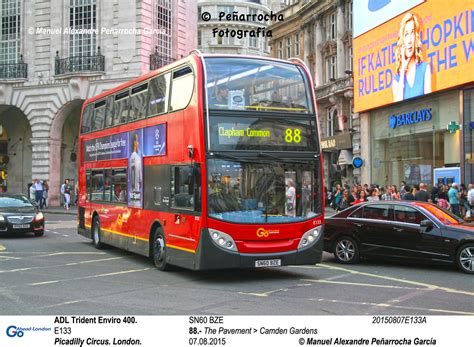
<point x="2" y="219"/>
<point x="223" y="240"/>
<point x="39" y="217"/>
<point x="310" y="237"/>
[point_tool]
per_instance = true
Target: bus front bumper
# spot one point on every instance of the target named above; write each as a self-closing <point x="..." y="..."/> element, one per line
<point x="210" y="256"/>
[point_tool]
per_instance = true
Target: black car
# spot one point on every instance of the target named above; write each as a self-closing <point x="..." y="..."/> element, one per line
<point x="409" y="230"/>
<point x="19" y="215"/>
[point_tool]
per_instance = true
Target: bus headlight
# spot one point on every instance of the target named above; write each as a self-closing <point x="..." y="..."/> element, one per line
<point x="310" y="237"/>
<point x="223" y="240"/>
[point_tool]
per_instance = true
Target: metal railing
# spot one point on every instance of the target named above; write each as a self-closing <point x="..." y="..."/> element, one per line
<point x="158" y="60"/>
<point x="72" y="64"/>
<point x="16" y="70"/>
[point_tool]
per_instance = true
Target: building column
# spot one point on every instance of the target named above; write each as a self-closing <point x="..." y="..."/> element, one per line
<point x="317" y="47"/>
<point x="341" y="61"/>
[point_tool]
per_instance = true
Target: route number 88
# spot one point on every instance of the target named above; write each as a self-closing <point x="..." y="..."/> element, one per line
<point x="292" y="135"/>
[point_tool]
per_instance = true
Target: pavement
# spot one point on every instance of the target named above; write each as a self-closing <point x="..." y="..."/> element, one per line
<point x="60" y="210"/>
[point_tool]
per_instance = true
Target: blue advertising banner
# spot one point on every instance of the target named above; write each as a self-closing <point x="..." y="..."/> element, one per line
<point x="133" y="145"/>
<point x="105" y="148"/>
<point x="135" y="168"/>
<point x="155" y="140"/>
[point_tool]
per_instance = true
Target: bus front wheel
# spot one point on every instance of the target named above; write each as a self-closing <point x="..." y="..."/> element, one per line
<point x="159" y="251"/>
<point x="96" y="241"/>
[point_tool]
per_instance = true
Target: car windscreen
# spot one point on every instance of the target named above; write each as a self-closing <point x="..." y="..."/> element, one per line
<point x="250" y="85"/>
<point x="444" y="216"/>
<point x="14" y="201"/>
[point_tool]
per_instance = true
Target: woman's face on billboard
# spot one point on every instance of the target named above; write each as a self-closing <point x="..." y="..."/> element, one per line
<point x="409" y="39"/>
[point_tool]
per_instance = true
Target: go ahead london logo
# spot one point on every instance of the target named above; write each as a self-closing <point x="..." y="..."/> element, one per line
<point x="13" y="331"/>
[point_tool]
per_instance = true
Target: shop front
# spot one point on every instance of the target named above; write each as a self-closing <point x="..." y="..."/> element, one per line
<point x="411" y="139"/>
<point x="337" y="152"/>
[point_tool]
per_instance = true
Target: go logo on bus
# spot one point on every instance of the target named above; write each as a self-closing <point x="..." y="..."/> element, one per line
<point x="292" y="135"/>
<point x="261" y="232"/>
<point x="13" y="331"/>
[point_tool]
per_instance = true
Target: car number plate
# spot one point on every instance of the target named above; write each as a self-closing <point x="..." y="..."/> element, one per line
<point x="268" y="262"/>
<point x="21" y="226"/>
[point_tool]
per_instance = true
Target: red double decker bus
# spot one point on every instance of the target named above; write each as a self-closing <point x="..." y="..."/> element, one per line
<point x="210" y="162"/>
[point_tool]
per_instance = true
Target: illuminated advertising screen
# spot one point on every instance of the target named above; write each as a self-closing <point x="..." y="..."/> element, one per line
<point x="426" y="48"/>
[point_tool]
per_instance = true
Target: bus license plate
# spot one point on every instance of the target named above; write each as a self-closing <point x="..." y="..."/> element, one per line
<point x="268" y="262"/>
<point x="21" y="226"/>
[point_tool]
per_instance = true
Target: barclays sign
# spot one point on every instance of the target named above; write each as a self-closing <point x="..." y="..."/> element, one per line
<point x="423" y="115"/>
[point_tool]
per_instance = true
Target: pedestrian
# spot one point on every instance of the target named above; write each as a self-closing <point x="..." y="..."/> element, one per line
<point x="470" y="201"/>
<point x="373" y="195"/>
<point x="362" y="197"/>
<point x="66" y="191"/>
<point x="344" y="202"/>
<point x="453" y="196"/>
<point x="337" y="196"/>
<point x="407" y="194"/>
<point x="32" y="191"/>
<point x="462" y="199"/>
<point x="422" y="194"/>
<point x="290" y="206"/>
<point x="39" y="193"/>
<point x="45" y="194"/>
<point x="388" y="195"/>
<point x="442" y="199"/>
<point x="395" y="193"/>
<point x="402" y="186"/>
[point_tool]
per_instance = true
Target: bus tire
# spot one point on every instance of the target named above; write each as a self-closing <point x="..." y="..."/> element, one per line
<point x="159" y="250"/>
<point x="96" y="240"/>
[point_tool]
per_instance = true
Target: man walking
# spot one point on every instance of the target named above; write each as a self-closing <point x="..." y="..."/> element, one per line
<point x="39" y="193"/>
<point x="453" y="196"/>
<point x="422" y="194"/>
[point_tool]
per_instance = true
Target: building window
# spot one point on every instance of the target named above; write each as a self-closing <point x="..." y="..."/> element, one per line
<point x="225" y="9"/>
<point x="349" y="15"/>
<point x="332" y="26"/>
<point x="330" y="68"/>
<point x="199" y="37"/>
<point x="253" y="12"/>
<point x="280" y="49"/>
<point x="82" y="16"/>
<point x="349" y="59"/>
<point x="331" y="121"/>
<point x="288" y="47"/>
<point x="10" y="35"/>
<point x="253" y="42"/>
<point x="297" y="44"/>
<point x="163" y="21"/>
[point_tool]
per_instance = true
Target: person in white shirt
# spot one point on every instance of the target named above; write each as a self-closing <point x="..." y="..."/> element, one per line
<point x="135" y="167"/>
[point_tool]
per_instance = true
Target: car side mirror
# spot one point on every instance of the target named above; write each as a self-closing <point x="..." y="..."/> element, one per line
<point x="427" y="224"/>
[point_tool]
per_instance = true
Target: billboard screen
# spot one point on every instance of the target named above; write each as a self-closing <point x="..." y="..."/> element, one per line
<point x="428" y="48"/>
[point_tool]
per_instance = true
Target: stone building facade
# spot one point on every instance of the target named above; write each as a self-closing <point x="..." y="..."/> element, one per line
<point x="320" y="33"/>
<point x="54" y="54"/>
<point x="212" y="42"/>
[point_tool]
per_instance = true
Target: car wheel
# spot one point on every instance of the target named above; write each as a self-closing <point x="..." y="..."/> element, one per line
<point x="39" y="233"/>
<point x="96" y="240"/>
<point x="465" y="258"/>
<point x="346" y="250"/>
<point x="159" y="251"/>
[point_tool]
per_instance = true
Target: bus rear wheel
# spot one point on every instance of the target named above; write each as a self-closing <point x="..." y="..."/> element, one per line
<point x="159" y="251"/>
<point x="96" y="241"/>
